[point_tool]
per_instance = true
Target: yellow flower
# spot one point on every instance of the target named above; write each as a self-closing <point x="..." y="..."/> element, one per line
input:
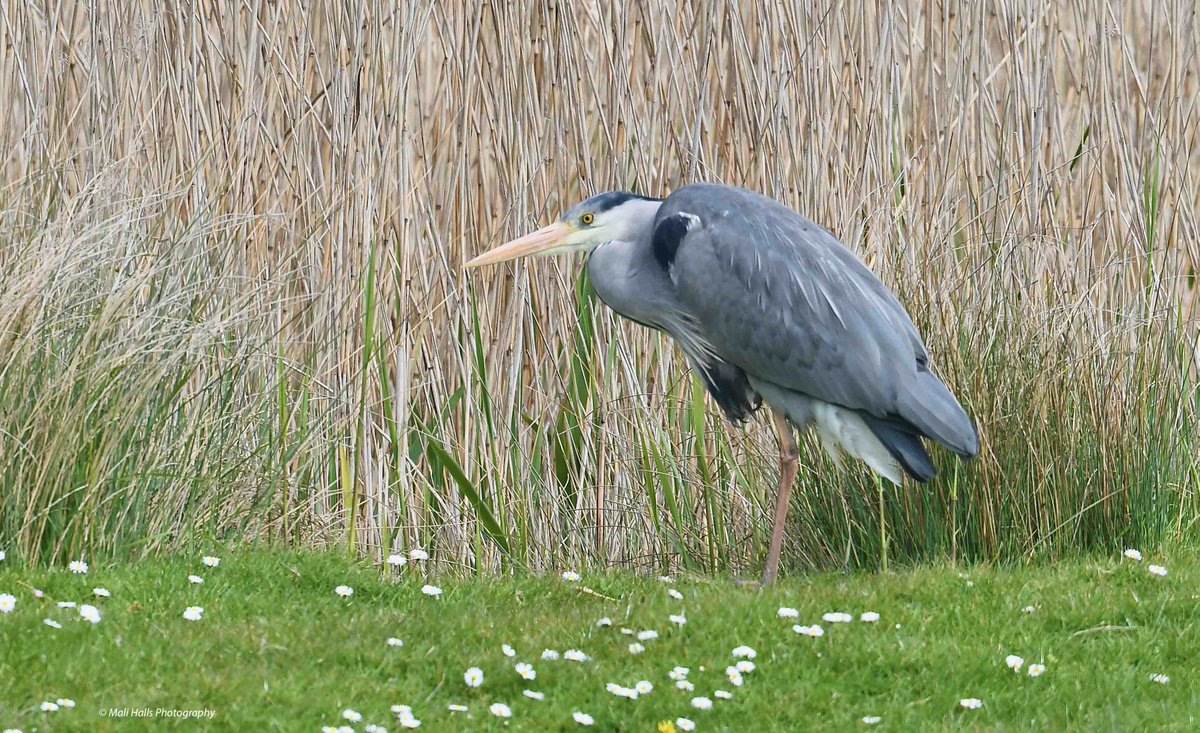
<point x="666" y="726"/>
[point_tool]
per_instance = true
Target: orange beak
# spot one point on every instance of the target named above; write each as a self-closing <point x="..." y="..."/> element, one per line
<point x="543" y="241"/>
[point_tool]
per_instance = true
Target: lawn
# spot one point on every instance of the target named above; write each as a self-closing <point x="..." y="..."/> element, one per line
<point x="277" y="648"/>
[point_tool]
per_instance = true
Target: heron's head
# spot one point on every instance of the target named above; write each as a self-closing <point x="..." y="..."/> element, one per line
<point x="605" y="217"/>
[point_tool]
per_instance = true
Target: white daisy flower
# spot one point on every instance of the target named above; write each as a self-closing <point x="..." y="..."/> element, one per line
<point x="193" y="613"/>
<point x="1036" y="670"/>
<point x="745" y="666"/>
<point x="685" y="724"/>
<point x="101" y="593"/>
<point x="457" y="708"/>
<point x="1161" y="679"/>
<point x="37" y="593"/>
<point x="647" y="635"/>
<point x="736" y="679"/>
<point x="786" y="612"/>
<point x="970" y="703"/>
<point x="196" y="579"/>
<point x="89" y="613"/>
<point x="211" y="561"/>
<point x="871" y="720"/>
<point x="604" y="622"/>
<point x="678" y="619"/>
<point x="869" y="617"/>
<point x="702" y="703"/>
<point x="533" y="695"/>
<point x="744" y="652"/>
<point x="394" y="642"/>
<point x="7" y="602"/>
<point x="67" y="604"/>
<point x="3" y="555"/>
<point x="574" y="655"/>
<point x="408" y="721"/>
<point x="813" y="631"/>
<point x="679" y="673"/>
<point x="582" y="718"/>
<point x="626" y="632"/>
<point x="508" y="650"/>
<point x="402" y="710"/>
<point x="685" y="685"/>
<point x="1158" y="570"/>
<point x="570" y="576"/>
<point x="549" y="655"/>
<point x="636" y="648"/>
<point x="52" y="623"/>
<point x="65" y="702"/>
<point x="644" y="687"/>
<point x="1132" y="554"/>
<point x="1013" y="662"/>
<point x="500" y="710"/>
<point x="372" y="728"/>
<point x="621" y="690"/>
<point x="473" y="677"/>
<point x="396" y="560"/>
<point x="431" y="590"/>
<point x="78" y="566"/>
<point x="49" y="707"/>
<point x="526" y="671"/>
<point x="675" y="594"/>
<point x="1028" y="609"/>
<point x="723" y="695"/>
<point x="344" y="591"/>
<point x="343" y="729"/>
<point x="837" y="617"/>
<point x="352" y="715"/>
<point x="418" y="554"/>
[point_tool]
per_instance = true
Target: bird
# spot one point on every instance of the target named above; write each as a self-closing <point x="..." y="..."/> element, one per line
<point x="768" y="307"/>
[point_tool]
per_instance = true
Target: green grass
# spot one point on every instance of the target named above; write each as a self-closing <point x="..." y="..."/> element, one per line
<point x="278" y="650"/>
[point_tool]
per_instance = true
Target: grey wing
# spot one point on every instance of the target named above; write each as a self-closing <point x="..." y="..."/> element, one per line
<point x="780" y="297"/>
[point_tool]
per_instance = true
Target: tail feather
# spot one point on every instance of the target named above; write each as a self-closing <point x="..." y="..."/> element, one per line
<point x="904" y="446"/>
<point x="928" y="405"/>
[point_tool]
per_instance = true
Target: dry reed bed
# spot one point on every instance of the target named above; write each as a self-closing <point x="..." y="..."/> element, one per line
<point x="292" y="189"/>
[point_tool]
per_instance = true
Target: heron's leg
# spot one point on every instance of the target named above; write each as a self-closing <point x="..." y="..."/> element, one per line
<point x="788" y="456"/>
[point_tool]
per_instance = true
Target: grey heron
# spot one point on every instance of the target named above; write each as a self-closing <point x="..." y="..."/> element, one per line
<point x="768" y="307"/>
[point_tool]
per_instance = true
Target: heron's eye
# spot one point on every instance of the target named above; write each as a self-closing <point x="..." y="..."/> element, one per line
<point x="587" y="219"/>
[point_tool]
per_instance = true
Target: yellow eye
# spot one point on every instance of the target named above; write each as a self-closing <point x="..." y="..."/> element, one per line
<point x="587" y="219"/>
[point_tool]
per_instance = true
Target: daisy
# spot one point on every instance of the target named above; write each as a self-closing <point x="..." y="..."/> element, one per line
<point x="723" y="695"/>
<point x="457" y="708"/>
<point x="1028" y="609"/>
<point x="736" y="679"/>
<point x="1036" y="670"/>
<point x="372" y="728"/>
<point x="813" y="631"/>
<point x="744" y="652"/>
<point x="2" y="555"/>
<point x="675" y="594"/>
<point x="89" y="613"/>
<point x="685" y="724"/>
<point x="67" y="604"/>
<point x="647" y="635"/>
<point x="785" y="612"/>
<point x="644" y="687"/>
<point x="196" y="579"/>
<point x="402" y="710"/>
<point x="66" y="702"/>
<point x="869" y="617"/>
<point x="526" y="671"/>
<point x="582" y="718"/>
<point x="431" y="590"/>
<point x="1133" y="554"/>
<point x="211" y="561"/>
<point x="508" y="650"/>
<point x="1013" y="662"/>
<point x="473" y="677"/>
<point x="1158" y="570"/>
<point x="500" y="710"/>
<point x="871" y="720"/>
<point x="532" y="695"/>
<point x="418" y="554"/>
<point x="679" y="673"/>
<point x="970" y="703"/>
<point x="636" y="648"/>
<point x="7" y="602"/>
<point x="101" y="593"/>
<point x="396" y="560"/>
<point x="745" y="666"/>
<point x="549" y="655"/>
<point x="394" y="642"/>
<point x="702" y="703"/>
<point x="49" y="707"/>
<point x="193" y="613"/>
<point x="604" y="622"/>
<point x="685" y="686"/>
<point x="408" y="721"/>
<point x="344" y="591"/>
<point x="352" y="715"/>
<point x="78" y="566"/>
<point x="570" y="576"/>
<point x="677" y="619"/>
<point x="1161" y="679"/>
<point x="574" y="655"/>
<point x="837" y="618"/>
<point x="52" y="623"/>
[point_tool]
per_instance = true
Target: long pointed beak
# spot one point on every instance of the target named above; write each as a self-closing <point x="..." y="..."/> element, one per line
<point x="541" y="241"/>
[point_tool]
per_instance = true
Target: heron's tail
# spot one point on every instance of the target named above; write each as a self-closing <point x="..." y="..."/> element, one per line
<point x="904" y="446"/>
<point x="928" y="405"/>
